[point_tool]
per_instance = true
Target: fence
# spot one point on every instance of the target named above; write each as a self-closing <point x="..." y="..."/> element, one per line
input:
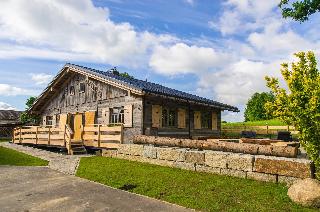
<point x="102" y="136"/>
<point x="262" y="130"/>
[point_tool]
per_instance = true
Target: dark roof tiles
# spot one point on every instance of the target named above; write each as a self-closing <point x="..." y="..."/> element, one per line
<point x="150" y="87"/>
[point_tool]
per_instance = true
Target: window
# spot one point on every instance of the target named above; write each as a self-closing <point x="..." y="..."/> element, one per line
<point x="49" y="120"/>
<point x="82" y="87"/>
<point x="116" y="115"/>
<point x="168" y="117"/>
<point x="71" y="90"/>
<point x="205" y="120"/>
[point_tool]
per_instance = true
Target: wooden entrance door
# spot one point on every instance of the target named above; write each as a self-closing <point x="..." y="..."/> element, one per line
<point x="77" y="123"/>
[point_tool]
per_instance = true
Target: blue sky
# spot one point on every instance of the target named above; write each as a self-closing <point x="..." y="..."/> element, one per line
<point x="217" y="49"/>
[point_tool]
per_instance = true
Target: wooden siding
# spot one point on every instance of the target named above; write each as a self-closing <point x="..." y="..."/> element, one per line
<point x="98" y="97"/>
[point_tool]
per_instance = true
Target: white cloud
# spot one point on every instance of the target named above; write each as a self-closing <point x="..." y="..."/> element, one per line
<point x="237" y="82"/>
<point x="5" y="106"/>
<point x="181" y="59"/>
<point x="72" y="29"/>
<point x="8" y="90"/>
<point x="240" y="16"/>
<point x="41" y="78"/>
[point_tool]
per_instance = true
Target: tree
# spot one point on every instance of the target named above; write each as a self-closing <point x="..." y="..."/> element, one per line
<point x="300" y="104"/>
<point x="255" y="109"/>
<point x="25" y="117"/>
<point x="124" y="74"/>
<point x="299" y="10"/>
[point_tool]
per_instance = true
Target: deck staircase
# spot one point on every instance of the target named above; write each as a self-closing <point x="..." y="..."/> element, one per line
<point x="77" y="147"/>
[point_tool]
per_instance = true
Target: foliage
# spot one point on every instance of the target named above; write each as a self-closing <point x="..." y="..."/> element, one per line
<point x="15" y="158"/>
<point x="299" y="10"/>
<point x="124" y="74"/>
<point x="26" y="117"/>
<point x="300" y="106"/>
<point x="201" y="191"/>
<point x="255" y="109"/>
<point x="271" y="122"/>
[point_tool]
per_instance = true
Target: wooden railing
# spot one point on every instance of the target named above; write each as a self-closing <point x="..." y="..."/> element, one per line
<point x="96" y="135"/>
<point x="262" y="130"/>
<point x="43" y="135"/>
<point x="102" y="136"/>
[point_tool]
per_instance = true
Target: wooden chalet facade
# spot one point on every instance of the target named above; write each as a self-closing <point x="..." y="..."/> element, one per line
<point x="81" y="96"/>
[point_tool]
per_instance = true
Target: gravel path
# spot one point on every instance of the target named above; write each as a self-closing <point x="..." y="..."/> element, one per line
<point x="67" y="164"/>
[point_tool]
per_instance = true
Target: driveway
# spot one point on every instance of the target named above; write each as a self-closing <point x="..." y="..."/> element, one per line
<point x="44" y="189"/>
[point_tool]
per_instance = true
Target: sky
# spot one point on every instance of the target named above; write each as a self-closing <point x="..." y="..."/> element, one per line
<point x="220" y="50"/>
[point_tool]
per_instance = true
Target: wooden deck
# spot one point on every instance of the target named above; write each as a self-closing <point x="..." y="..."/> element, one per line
<point x="99" y="136"/>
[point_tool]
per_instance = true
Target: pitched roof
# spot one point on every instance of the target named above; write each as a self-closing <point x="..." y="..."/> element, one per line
<point x="9" y="116"/>
<point x="153" y="88"/>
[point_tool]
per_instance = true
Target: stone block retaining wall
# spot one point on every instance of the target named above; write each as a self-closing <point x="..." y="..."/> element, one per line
<point x="257" y="167"/>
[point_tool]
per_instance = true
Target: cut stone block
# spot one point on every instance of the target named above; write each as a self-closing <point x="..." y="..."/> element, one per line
<point x="124" y="149"/>
<point x="195" y="157"/>
<point x="150" y="152"/>
<point x="216" y="159"/>
<point x="234" y="173"/>
<point x="111" y="153"/>
<point x="262" y="177"/>
<point x="136" y="149"/>
<point x="287" y="180"/>
<point x="207" y="169"/>
<point x="293" y="167"/>
<point x="240" y="162"/>
<point x="170" y="154"/>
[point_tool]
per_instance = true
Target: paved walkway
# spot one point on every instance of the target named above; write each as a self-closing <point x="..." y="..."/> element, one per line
<point x="67" y="164"/>
<point x="43" y="189"/>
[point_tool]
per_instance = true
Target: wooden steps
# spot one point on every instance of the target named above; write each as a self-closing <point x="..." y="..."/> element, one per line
<point x="77" y="148"/>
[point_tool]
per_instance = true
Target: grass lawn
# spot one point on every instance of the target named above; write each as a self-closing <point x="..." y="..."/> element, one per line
<point x="15" y="158"/>
<point x="271" y="122"/>
<point x="202" y="191"/>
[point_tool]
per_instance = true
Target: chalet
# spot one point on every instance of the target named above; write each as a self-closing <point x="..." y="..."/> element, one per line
<point x="81" y="96"/>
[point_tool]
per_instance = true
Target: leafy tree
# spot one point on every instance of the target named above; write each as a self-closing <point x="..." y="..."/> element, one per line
<point x="300" y="105"/>
<point x="299" y="10"/>
<point x="124" y="74"/>
<point x="25" y="117"/>
<point x="255" y="109"/>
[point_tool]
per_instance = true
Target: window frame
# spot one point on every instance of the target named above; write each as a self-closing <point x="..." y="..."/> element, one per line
<point x="206" y="118"/>
<point x="116" y="117"/>
<point x="82" y="85"/>
<point x="72" y="90"/>
<point x="169" y="118"/>
<point x="49" y="120"/>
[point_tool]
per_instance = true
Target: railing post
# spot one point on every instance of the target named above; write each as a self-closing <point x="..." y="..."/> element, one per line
<point x="20" y="135"/>
<point x="37" y="135"/>
<point x="64" y="136"/>
<point x="121" y="140"/>
<point x="288" y="128"/>
<point x="49" y="132"/>
<point x="99" y="133"/>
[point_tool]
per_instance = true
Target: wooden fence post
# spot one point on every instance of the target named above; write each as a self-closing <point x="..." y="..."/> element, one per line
<point x="49" y="132"/>
<point x="20" y="135"/>
<point x="288" y="128"/>
<point x="99" y="132"/>
<point x="37" y="135"/>
<point x="64" y="136"/>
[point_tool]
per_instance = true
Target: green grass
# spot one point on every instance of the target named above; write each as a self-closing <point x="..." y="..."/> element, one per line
<point x="201" y="191"/>
<point x="15" y="158"/>
<point x="5" y="139"/>
<point x="271" y="122"/>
